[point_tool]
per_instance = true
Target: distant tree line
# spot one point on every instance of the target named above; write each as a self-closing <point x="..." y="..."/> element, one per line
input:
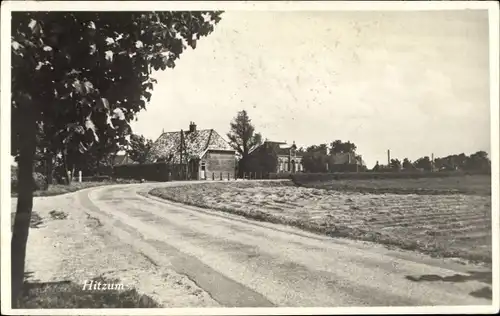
<point x="477" y="161"/>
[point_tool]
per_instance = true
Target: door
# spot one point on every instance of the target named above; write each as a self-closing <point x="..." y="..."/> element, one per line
<point x="203" y="173"/>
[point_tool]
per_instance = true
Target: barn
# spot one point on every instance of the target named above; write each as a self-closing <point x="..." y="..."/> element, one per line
<point x="203" y="154"/>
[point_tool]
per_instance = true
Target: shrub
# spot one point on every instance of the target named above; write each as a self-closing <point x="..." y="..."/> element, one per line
<point x="39" y="180"/>
<point x="151" y="172"/>
<point x="95" y="179"/>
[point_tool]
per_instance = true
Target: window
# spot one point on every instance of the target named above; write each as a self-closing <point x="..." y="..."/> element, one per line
<point x="203" y="165"/>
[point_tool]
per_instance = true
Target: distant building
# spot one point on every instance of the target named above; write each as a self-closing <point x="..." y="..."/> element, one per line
<point x="343" y="162"/>
<point x="204" y="153"/>
<point x="272" y="157"/>
<point x="123" y="158"/>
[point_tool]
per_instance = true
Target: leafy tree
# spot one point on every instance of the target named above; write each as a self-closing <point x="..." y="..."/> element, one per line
<point x="407" y="164"/>
<point x="423" y="163"/>
<point x="475" y="162"/>
<point x="81" y="77"/>
<point x="315" y="158"/>
<point x="99" y="159"/>
<point x="139" y="148"/>
<point x="395" y="164"/>
<point x="243" y="139"/>
<point x="339" y="147"/>
<point x="478" y="161"/>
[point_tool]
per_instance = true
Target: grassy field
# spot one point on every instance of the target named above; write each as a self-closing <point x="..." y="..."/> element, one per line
<point x="470" y="184"/>
<point x="449" y="225"/>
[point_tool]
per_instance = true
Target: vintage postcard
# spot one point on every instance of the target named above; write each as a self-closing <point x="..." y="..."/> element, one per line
<point x="249" y="158"/>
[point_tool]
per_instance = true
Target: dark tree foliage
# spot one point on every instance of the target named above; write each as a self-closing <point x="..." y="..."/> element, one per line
<point x="315" y="158"/>
<point x="340" y="147"/>
<point x="243" y="139"/>
<point x="138" y="148"/>
<point x="78" y="79"/>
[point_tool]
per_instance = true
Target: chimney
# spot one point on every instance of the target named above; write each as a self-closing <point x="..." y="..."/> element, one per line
<point x="192" y="127"/>
<point x="388" y="157"/>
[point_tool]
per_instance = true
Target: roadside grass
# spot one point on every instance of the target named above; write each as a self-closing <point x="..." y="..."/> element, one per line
<point x="68" y="294"/>
<point x="456" y="226"/>
<point x="58" y="189"/>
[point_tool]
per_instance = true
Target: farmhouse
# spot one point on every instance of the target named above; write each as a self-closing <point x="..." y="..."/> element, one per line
<point x="276" y="157"/>
<point x="203" y="154"/>
<point x="122" y="158"/>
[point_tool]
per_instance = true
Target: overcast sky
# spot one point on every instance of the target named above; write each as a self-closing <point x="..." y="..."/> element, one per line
<point x="413" y="82"/>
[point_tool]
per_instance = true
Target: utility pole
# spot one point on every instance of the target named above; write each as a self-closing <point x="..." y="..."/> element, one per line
<point x="432" y="162"/>
<point x="388" y="158"/>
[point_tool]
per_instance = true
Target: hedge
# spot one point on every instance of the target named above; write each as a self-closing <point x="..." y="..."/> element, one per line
<point x="96" y="179"/>
<point x="150" y="172"/>
<point x="280" y="175"/>
<point x="39" y="180"/>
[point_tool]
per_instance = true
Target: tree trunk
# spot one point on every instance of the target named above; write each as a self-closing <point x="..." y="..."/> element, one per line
<point x="21" y="227"/>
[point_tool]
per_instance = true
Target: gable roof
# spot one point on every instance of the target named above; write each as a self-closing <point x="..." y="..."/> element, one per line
<point x="281" y="148"/>
<point x="123" y="159"/>
<point x="167" y="147"/>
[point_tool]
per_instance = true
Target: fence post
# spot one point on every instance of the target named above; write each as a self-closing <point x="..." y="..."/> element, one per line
<point x="213" y="176"/>
<point x="244" y="175"/>
<point x="80" y="176"/>
<point x="221" y="176"/>
<point x="228" y="176"/>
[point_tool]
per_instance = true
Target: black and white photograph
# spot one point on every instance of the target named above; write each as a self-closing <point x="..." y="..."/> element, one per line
<point x="249" y="158"/>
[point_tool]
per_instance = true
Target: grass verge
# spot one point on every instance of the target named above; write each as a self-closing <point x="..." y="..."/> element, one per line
<point x="68" y="294"/>
<point x="58" y="189"/>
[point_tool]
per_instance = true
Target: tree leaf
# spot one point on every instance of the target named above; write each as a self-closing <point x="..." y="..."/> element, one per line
<point x="89" y="125"/>
<point x="35" y="27"/>
<point x="89" y="87"/>
<point x="78" y="86"/>
<point x="104" y="103"/>
<point x="108" y="55"/>
<point x="118" y="114"/>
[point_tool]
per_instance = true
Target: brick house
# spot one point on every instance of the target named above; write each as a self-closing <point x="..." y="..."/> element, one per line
<point x="202" y="153"/>
<point x="275" y="157"/>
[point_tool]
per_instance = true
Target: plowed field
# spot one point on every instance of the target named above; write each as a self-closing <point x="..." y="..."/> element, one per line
<point x="450" y="225"/>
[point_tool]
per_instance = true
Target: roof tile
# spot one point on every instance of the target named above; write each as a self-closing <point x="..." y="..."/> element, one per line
<point x="196" y="143"/>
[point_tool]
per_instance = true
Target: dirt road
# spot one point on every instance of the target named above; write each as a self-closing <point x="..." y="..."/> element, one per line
<point x="241" y="263"/>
